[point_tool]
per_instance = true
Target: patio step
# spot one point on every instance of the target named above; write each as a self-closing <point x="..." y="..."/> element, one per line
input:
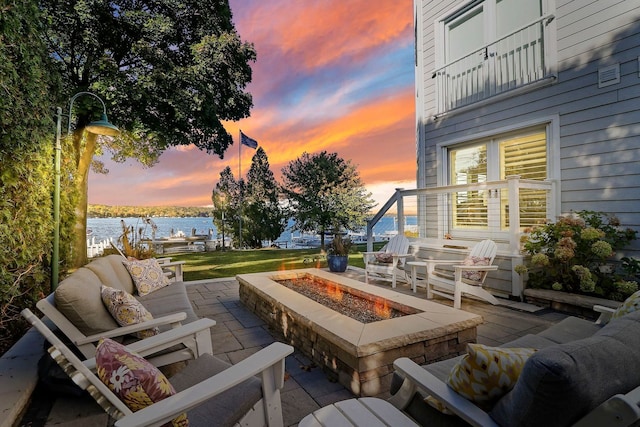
<point x="581" y="305"/>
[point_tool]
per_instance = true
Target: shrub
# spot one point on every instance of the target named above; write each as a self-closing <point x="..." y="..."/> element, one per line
<point x="26" y="167"/>
<point x="569" y="255"/>
<point x="339" y="246"/>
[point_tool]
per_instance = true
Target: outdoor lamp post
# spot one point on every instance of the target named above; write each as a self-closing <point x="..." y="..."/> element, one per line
<point x="222" y="231"/>
<point x="100" y="127"/>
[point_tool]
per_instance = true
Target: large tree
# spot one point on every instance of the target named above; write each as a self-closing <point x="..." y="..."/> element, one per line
<point x="264" y="217"/>
<point x="170" y="71"/>
<point x="326" y="194"/>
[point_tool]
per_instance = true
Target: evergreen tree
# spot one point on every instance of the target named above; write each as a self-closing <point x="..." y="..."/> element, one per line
<point x="264" y="217"/>
<point x="325" y="194"/>
<point x="226" y="199"/>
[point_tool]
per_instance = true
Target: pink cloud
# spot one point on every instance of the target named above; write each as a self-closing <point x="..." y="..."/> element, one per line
<point x="337" y="30"/>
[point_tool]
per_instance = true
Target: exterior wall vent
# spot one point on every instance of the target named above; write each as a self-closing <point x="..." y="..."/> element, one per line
<point x="608" y="76"/>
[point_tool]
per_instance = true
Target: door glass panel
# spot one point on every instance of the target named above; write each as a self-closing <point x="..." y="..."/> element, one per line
<point x="469" y="166"/>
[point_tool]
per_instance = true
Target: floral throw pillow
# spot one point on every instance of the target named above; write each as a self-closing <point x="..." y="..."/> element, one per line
<point x="473" y="275"/>
<point x="134" y="380"/>
<point x="631" y="304"/>
<point x="485" y="374"/>
<point x="126" y="310"/>
<point x="385" y="257"/>
<point x="147" y="275"/>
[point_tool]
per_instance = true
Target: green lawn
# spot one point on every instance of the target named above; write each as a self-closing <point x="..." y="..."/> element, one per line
<point x="213" y="265"/>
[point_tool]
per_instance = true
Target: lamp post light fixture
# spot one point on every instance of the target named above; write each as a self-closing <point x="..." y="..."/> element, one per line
<point x="99" y="127"/>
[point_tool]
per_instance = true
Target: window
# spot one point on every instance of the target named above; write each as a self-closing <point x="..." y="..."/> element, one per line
<point x="522" y="153"/>
<point x="487" y="47"/>
<point x="525" y="156"/>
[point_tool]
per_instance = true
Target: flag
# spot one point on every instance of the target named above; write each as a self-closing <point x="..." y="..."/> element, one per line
<point x="249" y="142"/>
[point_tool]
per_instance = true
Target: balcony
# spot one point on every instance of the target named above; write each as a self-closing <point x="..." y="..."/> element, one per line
<point x="514" y="61"/>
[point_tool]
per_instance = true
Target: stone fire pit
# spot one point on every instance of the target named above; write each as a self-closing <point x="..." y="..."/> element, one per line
<point x="361" y="355"/>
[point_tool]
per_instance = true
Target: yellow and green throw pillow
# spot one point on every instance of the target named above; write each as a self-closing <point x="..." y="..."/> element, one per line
<point x="631" y="304"/>
<point x="485" y="374"/>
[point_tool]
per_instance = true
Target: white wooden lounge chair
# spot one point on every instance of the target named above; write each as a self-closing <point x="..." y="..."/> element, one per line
<point x="209" y="390"/>
<point x="387" y="263"/>
<point x="468" y="275"/>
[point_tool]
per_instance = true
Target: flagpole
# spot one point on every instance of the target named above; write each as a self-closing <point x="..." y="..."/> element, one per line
<point x="239" y="178"/>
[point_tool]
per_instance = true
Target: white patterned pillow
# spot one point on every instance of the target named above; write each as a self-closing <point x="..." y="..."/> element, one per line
<point x="147" y="275"/>
<point x="384" y="257"/>
<point x="126" y="310"/>
<point x="474" y="275"/>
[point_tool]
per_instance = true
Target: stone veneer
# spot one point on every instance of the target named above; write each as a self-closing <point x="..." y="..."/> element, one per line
<point x="361" y="355"/>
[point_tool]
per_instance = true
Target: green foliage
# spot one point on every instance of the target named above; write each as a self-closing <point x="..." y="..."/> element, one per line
<point x="264" y="217"/>
<point x="325" y="193"/>
<point x="339" y="246"/>
<point x="27" y="87"/>
<point x="573" y="254"/>
<point x="104" y="211"/>
<point x="630" y="267"/>
<point x="169" y="72"/>
<point x="226" y="199"/>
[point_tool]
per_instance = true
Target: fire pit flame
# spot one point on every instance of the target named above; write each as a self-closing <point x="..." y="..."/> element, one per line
<point x="382" y="309"/>
<point x="360" y="306"/>
<point x="334" y="292"/>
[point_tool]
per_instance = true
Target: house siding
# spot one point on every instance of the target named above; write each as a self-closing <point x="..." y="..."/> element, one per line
<point x="599" y="128"/>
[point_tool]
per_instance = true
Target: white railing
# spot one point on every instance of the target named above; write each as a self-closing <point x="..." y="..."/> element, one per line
<point x="434" y="205"/>
<point x="513" y="61"/>
<point x="95" y="249"/>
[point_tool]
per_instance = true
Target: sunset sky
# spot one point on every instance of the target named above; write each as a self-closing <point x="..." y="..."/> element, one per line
<point x="334" y="75"/>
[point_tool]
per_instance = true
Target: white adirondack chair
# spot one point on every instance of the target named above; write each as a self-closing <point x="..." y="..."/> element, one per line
<point x="398" y="249"/>
<point x="453" y="287"/>
<point x="202" y="381"/>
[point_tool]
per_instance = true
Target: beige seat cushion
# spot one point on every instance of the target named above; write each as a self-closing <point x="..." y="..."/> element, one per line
<point x="112" y="273"/>
<point x="78" y="299"/>
<point x="168" y="300"/>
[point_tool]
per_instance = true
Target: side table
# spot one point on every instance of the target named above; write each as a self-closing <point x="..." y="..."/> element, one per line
<point x="414" y="266"/>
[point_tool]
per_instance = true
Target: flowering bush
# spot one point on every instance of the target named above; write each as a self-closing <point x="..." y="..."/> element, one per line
<point x="569" y="255"/>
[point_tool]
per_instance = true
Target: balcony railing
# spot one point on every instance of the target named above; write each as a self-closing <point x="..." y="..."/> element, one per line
<point x="513" y="61"/>
<point x="509" y="202"/>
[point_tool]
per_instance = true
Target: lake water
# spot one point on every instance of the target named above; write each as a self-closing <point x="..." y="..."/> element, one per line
<point x="111" y="228"/>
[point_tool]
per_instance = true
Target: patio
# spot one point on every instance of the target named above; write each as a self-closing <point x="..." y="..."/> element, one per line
<point x="239" y="333"/>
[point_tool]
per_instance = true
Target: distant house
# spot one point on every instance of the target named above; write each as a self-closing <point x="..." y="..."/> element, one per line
<point x="547" y="90"/>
